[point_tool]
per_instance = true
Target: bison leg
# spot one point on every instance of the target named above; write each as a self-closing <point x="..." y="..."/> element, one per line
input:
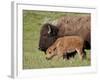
<point x="84" y="53"/>
<point x="59" y="55"/>
<point x="80" y="53"/>
<point x="65" y="56"/>
<point x="69" y="55"/>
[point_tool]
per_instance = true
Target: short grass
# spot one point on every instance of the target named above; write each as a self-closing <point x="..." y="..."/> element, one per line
<point x="32" y="57"/>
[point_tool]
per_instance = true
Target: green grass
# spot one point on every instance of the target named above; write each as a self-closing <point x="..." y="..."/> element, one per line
<point x="32" y="57"/>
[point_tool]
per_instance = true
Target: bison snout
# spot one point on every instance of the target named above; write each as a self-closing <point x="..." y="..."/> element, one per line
<point x="39" y="48"/>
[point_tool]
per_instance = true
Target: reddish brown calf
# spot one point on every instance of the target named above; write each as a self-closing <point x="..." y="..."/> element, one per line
<point x="65" y="45"/>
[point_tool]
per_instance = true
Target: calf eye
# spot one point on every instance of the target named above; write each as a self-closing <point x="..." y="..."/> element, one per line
<point x="49" y="52"/>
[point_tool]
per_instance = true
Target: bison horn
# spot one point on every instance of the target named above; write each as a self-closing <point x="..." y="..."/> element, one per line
<point x="49" y="29"/>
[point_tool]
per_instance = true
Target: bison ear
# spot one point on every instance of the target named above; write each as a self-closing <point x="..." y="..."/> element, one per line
<point x="54" y="49"/>
<point x="49" y="31"/>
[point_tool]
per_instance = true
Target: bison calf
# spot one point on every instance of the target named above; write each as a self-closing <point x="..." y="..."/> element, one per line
<point x="66" y="45"/>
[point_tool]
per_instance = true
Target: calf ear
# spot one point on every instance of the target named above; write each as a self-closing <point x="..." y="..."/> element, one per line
<point x="54" y="49"/>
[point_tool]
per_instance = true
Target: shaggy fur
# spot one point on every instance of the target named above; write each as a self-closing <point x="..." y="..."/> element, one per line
<point x="66" y="26"/>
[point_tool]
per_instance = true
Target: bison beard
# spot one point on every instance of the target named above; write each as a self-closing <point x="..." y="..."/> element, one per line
<point x="66" y="26"/>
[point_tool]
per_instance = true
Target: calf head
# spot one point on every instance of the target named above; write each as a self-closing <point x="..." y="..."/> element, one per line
<point x="50" y="53"/>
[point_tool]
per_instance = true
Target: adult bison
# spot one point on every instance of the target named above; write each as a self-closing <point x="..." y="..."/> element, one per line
<point x="79" y="25"/>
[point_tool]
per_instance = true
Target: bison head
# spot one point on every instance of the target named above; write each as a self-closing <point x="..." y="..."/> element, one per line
<point x="48" y="35"/>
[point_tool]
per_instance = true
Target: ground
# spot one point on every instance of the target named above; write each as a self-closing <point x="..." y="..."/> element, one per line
<point x="32" y="57"/>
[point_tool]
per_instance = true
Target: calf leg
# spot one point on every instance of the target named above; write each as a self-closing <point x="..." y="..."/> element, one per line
<point x="59" y="54"/>
<point x="65" y="56"/>
<point x="80" y="53"/>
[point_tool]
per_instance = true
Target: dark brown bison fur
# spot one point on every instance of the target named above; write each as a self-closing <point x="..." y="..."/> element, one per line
<point x="66" y="26"/>
<point x="46" y="39"/>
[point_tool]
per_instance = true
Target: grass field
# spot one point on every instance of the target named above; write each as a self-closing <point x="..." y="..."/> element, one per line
<point x="32" y="57"/>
